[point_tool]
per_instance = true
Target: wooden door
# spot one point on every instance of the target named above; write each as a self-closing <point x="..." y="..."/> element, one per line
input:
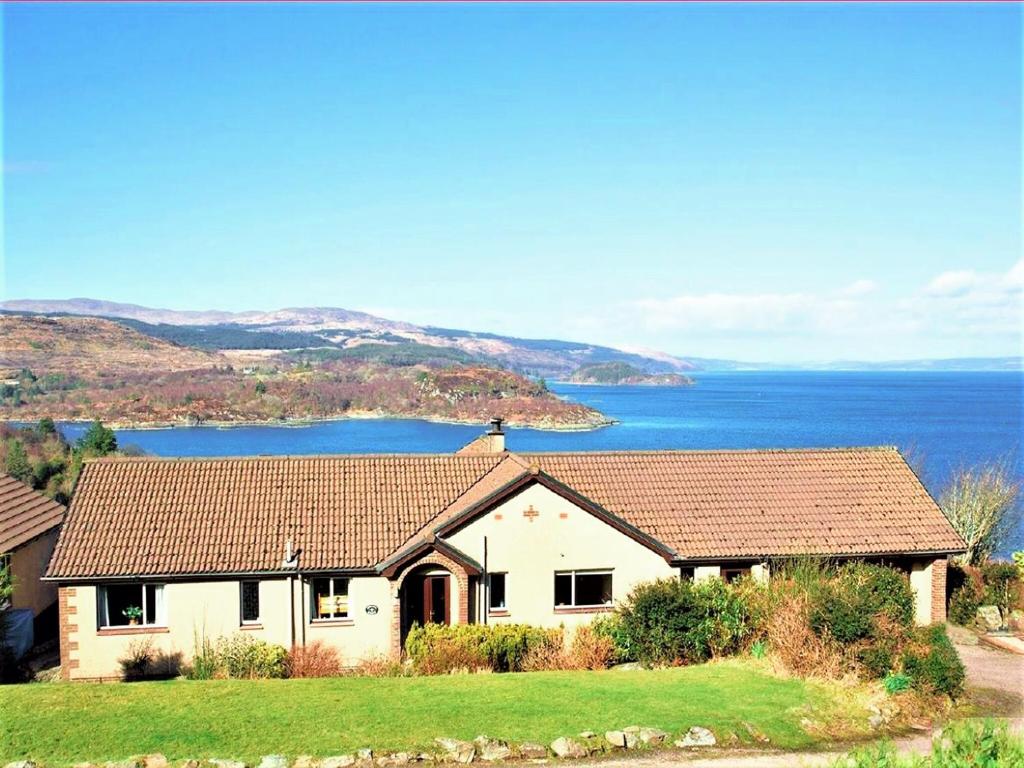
<point x="436" y="599"/>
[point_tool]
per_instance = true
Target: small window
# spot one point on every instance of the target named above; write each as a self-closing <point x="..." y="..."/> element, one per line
<point x="250" y="600"/>
<point x="729" y="575"/>
<point x="128" y="605"/>
<point x="583" y="589"/>
<point x="686" y="573"/>
<point x="330" y="598"/>
<point x="496" y="592"/>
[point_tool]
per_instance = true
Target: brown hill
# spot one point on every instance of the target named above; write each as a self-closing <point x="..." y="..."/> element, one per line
<point x="87" y="346"/>
<point x="79" y="368"/>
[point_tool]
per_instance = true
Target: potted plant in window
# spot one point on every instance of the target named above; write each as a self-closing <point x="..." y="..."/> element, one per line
<point x="133" y="613"/>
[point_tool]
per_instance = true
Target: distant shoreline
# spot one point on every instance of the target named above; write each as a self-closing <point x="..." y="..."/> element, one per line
<point x="312" y="422"/>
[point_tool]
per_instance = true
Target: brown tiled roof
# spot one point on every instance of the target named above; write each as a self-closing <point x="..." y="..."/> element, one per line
<point x="195" y="516"/>
<point x="763" y="502"/>
<point x="178" y="516"/>
<point x="24" y="513"/>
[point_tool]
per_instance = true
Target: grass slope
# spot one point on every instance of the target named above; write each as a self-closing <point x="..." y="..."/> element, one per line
<point x="63" y="723"/>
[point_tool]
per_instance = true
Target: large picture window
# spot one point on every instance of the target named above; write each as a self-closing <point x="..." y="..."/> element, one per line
<point x="583" y="589"/>
<point x="129" y="605"/>
<point x="330" y="598"/>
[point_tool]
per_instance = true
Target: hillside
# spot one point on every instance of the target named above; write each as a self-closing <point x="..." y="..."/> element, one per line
<point x="333" y="328"/>
<point x="77" y="368"/>
<point x="623" y="374"/>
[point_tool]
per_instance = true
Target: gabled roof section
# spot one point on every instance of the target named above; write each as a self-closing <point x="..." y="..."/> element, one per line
<point x="24" y="513"/>
<point x="757" y="503"/>
<point x="396" y="563"/>
<point x="479" y="503"/>
<point x="144" y="516"/>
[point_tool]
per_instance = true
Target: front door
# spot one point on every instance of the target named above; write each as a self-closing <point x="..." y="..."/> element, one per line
<point x="436" y="590"/>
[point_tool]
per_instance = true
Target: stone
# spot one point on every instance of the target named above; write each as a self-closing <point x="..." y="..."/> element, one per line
<point x="190" y="764"/>
<point x="273" y="761"/>
<point x="531" y="751"/>
<point x="616" y="738"/>
<point x="338" y="761"/>
<point x="21" y="764"/>
<point x="132" y="763"/>
<point x="494" y="751"/>
<point x="426" y="757"/>
<point x="697" y="737"/>
<point x="83" y="765"/>
<point x="154" y="761"/>
<point x="587" y="734"/>
<point x="875" y="722"/>
<point x="989" y="618"/>
<point x="565" y="747"/>
<point x="755" y="734"/>
<point x="459" y="751"/>
<point x="364" y="754"/>
<point x="306" y="761"/>
<point x="223" y="763"/>
<point x="652" y="736"/>
<point x="396" y="758"/>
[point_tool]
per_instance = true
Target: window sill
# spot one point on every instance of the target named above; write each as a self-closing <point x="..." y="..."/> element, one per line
<point x="584" y="609"/>
<point x="332" y="623"/>
<point x="105" y="631"/>
<point x="246" y="627"/>
<point x="498" y="612"/>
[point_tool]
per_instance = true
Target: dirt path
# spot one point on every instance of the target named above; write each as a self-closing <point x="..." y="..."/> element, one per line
<point x="995" y="681"/>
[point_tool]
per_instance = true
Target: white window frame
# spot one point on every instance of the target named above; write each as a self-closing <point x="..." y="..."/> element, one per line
<point x="314" y="616"/>
<point x="159" y="610"/>
<point x="588" y="572"/>
<point x="497" y="608"/>
<point x="241" y="603"/>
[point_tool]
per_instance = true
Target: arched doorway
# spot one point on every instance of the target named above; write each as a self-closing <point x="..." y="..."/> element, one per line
<point x="426" y="597"/>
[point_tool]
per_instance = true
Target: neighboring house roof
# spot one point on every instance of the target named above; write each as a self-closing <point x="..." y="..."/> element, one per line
<point x="144" y="516"/>
<point x="24" y="513"/>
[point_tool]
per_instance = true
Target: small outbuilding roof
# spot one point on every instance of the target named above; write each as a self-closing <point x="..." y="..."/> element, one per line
<point x="24" y="513"/>
<point x="149" y="517"/>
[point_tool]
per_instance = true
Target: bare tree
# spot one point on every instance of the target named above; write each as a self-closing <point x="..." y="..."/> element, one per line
<point x="981" y="503"/>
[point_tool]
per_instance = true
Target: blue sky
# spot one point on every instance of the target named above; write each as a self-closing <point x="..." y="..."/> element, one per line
<point x="759" y="182"/>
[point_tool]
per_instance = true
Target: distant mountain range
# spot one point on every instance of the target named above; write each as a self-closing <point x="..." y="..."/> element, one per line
<point x="358" y="334"/>
<point x="341" y="329"/>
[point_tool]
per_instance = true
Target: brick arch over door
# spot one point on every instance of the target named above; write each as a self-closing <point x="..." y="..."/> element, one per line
<point x="458" y="572"/>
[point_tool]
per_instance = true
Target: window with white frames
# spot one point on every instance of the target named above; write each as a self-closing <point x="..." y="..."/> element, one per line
<point x="496" y="592"/>
<point x="129" y="605"/>
<point x="583" y="589"/>
<point x="330" y="598"/>
<point x="250" y="602"/>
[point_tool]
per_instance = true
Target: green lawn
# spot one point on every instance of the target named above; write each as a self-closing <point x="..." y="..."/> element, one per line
<point x="61" y="723"/>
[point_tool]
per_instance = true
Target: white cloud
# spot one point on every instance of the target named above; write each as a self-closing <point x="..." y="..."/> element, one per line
<point x="859" y="288"/>
<point x="962" y="311"/>
<point x="955" y="283"/>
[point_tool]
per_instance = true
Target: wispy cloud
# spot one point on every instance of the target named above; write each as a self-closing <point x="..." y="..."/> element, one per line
<point x="961" y="304"/>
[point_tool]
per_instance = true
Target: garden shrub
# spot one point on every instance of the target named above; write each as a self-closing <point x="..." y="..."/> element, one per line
<point x="973" y="744"/>
<point x="237" y="656"/>
<point x="847" y="604"/>
<point x="437" y="649"/>
<point x="610" y="626"/>
<point x="932" y="662"/>
<point x="1002" y="585"/>
<point x="679" y="621"/>
<point x="963" y="744"/>
<point x="964" y="603"/>
<point x="896" y="682"/>
<point x="313" y="660"/>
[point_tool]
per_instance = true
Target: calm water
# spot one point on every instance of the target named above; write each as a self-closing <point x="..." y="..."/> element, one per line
<point x="948" y="419"/>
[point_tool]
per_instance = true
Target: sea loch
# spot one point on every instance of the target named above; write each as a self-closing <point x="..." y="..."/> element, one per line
<point x="944" y="420"/>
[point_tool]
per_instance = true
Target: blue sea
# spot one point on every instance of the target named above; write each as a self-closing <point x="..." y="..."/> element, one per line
<point x="946" y="420"/>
